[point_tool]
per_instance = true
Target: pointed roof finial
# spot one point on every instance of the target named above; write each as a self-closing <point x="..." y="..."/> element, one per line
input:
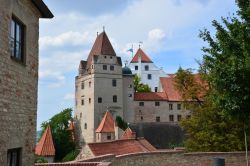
<point x="103" y="27"/>
<point x="140" y="42"/>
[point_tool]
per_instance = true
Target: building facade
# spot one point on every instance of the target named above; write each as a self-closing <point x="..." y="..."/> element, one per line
<point x="144" y="67"/>
<point x="19" y="33"/>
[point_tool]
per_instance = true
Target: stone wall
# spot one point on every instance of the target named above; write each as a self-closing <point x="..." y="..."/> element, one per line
<point x="173" y="158"/>
<point x="18" y="82"/>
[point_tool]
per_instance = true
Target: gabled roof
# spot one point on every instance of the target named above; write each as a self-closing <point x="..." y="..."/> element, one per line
<point x="144" y="57"/>
<point x="150" y="96"/>
<point x="44" y="10"/>
<point x="168" y="86"/>
<point x="120" y="147"/>
<point x="45" y="146"/>
<point x="107" y="124"/>
<point x="102" y="46"/>
<point x="128" y="134"/>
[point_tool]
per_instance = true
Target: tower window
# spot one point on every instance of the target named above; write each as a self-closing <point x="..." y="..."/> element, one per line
<point x="158" y="119"/>
<point x="149" y="76"/>
<point x="170" y="106"/>
<point x="136" y="67"/>
<point x="141" y="118"/>
<point x="114" y="98"/>
<point x="157" y="103"/>
<point x="99" y="100"/>
<point x="104" y="67"/>
<point x="82" y="85"/>
<point x="171" y="118"/>
<point x="89" y="100"/>
<point x="114" y="83"/>
<point x="85" y="126"/>
<point x="82" y="101"/>
<point x="17" y="40"/>
<point x="89" y="83"/>
<point x="141" y="103"/>
<point x="112" y="67"/>
<point x="146" y="68"/>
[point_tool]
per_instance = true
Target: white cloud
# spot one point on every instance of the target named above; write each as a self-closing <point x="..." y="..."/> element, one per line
<point x="67" y="38"/>
<point x="69" y="96"/>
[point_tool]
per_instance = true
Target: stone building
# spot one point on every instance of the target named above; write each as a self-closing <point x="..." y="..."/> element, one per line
<point x="144" y="67"/>
<point x="99" y="87"/>
<point x="19" y="33"/>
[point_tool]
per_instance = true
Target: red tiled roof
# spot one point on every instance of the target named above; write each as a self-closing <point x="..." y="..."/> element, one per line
<point x="102" y="46"/>
<point x="107" y="124"/>
<point x="144" y="57"/>
<point x="45" y="146"/>
<point x="150" y="96"/>
<point x="120" y="147"/>
<point x="168" y="86"/>
<point x="128" y="134"/>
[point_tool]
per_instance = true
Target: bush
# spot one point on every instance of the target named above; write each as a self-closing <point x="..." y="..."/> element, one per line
<point x="39" y="159"/>
<point x="71" y="156"/>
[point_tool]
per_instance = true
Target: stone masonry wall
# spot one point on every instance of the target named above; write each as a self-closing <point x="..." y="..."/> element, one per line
<point x="18" y="82"/>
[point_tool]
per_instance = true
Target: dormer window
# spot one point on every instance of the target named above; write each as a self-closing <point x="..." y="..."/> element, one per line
<point x="17" y="40"/>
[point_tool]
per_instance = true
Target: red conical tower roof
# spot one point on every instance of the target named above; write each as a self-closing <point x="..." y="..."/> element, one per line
<point x="144" y="57"/>
<point x="45" y="146"/>
<point x="107" y="124"/>
<point x="102" y="46"/>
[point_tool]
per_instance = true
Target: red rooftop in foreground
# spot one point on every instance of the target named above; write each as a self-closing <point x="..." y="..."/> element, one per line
<point x="45" y="146"/>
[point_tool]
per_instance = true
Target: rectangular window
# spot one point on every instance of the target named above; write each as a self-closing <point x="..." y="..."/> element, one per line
<point x="157" y="103"/>
<point x="149" y="76"/>
<point x="82" y="85"/>
<point x="112" y="67"/>
<point x="179" y="106"/>
<point x="170" y="106"/>
<point x="104" y="67"/>
<point x="171" y="118"/>
<point x="89" y="84"/>
<point x="136" y="67"/>
<point x="141" y="103"/>
<point x="114" y="83"/>
<point x="146" y="68"/>
<point x="158" y="119"/>
<point x="99" y="100"/>
<point x="82" y="101"/>
<point x="89" y="100"/>
<point x="13" y="157"/>
<point x="108" y="136"/>
<point x="17" y="40"/>
<point x="179" y="117"/>
<point x="141" y="118"/>
<point x="156" y="89"/>
<point x="115" y="99"/>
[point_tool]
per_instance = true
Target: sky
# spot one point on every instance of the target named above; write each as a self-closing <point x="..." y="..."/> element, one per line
<point x="168" y="29"/>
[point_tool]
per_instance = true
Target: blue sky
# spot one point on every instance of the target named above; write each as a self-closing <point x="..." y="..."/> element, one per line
<point x="168" y="29"/>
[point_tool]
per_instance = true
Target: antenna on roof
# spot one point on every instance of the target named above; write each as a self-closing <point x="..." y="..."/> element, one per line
<point x="103" y="28"/>
<point x="140" y="43"/>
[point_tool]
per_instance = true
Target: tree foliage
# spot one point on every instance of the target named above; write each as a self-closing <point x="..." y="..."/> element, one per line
<point x="140" y="87"/>
<point x="121" y="123"/>
<point x="61" y="135"/>
<point x="218" y="124"/>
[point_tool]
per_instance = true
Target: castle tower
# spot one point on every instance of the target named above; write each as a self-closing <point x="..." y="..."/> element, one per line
<point x="98" y="88"/>
<point x="149" y="73"/>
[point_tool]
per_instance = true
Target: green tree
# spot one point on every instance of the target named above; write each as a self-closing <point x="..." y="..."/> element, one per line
<point x="140" y="87"/>
<point x="61" y="135"/>
<point x="121" y="123"/>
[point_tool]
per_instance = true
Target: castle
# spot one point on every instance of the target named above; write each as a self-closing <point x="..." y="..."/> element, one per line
<point x="102" y="85"/>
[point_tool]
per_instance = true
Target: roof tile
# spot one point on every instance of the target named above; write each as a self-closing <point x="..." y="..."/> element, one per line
<point x="150" y="96"/>
<point x="107" y="124"/>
